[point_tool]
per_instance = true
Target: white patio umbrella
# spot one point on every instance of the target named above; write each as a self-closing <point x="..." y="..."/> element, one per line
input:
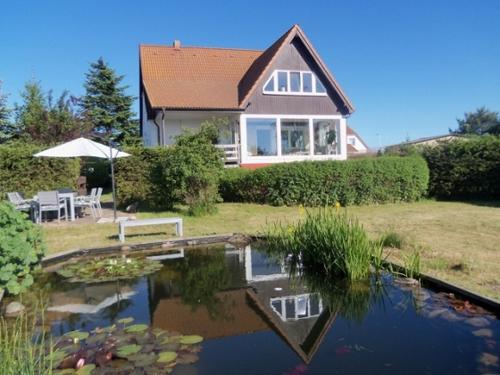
<point x="83" y="147"/>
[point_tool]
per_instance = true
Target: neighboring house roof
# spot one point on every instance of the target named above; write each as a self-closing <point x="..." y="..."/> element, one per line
<point x="425" y="140"/>
<point x="175" y="77"/>
<point x="350" y="148"/>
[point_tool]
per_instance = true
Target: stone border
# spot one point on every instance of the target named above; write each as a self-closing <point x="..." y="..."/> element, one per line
<point x="239" y="239"/>
<point x="431" y="281"/>
<point x="64" y="256"/>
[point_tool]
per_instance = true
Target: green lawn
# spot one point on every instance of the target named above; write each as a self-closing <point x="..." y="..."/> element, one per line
<point x="460" y="241"/>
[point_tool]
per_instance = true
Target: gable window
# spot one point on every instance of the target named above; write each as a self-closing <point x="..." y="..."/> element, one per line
<point x="294" y="82"/>
<point x="307" y="82"/>
<point x="319" y="86"/>
<point x="282" y="81"/>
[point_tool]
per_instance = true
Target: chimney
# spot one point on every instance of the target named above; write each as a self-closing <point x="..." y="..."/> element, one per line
<point x="177" y="44"/>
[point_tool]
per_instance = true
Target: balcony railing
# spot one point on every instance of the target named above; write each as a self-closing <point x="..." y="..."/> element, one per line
<point x="231" y="153"/>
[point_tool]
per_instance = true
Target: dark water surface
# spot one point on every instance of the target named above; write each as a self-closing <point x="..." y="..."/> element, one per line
<point x="257" y="320"/>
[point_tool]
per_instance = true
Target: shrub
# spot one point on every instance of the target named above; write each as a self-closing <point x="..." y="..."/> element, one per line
<point x="139" y="178"/>
<point x="392" y="239"/>
<point x="327" y="242"/>
<point x="318" y="183"/>
<point x="194" y="169"/>
<point x="21" y="248"/>
<point x="187" y="172"/>
<point x="468" y="168"/>
<point x="20" y="171"/>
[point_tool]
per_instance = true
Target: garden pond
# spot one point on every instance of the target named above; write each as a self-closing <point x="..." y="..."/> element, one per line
<point x="255" y="318"/>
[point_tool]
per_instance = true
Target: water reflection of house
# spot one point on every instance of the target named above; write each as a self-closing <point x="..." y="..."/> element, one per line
<point x="266" y="299"/>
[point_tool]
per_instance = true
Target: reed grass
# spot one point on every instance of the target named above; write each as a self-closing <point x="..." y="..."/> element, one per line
<point x="325" y="241"/>
<point x="24" y="347"/>
<point x="392" y="239"/>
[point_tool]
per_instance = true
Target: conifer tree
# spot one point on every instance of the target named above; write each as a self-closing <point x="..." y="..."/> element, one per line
<point x="106" y="104"/>
<point x="7" y="129"/>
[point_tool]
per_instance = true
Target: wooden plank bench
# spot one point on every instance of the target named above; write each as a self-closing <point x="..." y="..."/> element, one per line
<point x="138" y="223"/>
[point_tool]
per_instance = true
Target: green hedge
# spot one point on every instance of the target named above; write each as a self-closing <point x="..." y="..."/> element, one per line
<point x="468" y="168"/>
<point x="139" y="178"/>
<point x="20" y="171"/>
<point x="316" y="183"/>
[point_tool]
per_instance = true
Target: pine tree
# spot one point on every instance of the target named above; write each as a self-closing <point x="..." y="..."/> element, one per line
<point x="481" y="121"/>
<point x="106" y="104"/>
<point x="7" y="129"/>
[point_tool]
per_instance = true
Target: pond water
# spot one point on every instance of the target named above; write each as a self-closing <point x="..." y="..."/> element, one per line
<point x="257" y="320"/>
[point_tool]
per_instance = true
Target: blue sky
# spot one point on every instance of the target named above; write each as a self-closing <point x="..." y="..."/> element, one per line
<point x="410" y="67"/>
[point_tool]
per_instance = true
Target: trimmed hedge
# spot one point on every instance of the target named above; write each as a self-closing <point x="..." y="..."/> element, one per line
<point x="139" y="178"/>
<point x="20" y="171"/>
<point x="468" y="168"/>
<point x="317" y="183"/>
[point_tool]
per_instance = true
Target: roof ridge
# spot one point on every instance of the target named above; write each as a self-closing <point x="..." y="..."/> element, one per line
<point x="199" y="47"/>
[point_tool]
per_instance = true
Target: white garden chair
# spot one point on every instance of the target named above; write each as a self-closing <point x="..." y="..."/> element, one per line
<point x="97" y="201"/>
<point x="50" y="201"/>
<point x="88" y="201"/>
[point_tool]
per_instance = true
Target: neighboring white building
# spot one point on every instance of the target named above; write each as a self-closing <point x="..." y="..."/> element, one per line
<point x="283" y="104"/>
<point x="355" y="144"/>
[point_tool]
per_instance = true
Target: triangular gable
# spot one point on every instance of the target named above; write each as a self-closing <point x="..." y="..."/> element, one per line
<point x="261" y="68"/>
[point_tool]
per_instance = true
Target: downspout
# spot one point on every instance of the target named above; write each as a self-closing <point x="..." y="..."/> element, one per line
<point x="160" y="127"/>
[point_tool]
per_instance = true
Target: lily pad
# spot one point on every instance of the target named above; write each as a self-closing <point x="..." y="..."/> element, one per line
<point x="166" y="357"/>
<point x="191" y="340"/>
<point x="126" y="320"/>
<point x="135" y="328"/>
<point x="85" y="370"/>
<point x="127" y="350"/>
<point x="79" y="335"/>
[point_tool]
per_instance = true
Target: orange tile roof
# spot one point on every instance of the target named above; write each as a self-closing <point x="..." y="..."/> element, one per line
<point x="214" y="78"/>
<point x="194" y="77"/>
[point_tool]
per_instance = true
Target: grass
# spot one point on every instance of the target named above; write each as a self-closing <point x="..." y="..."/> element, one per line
<point x="449" y="234"/>
<point x="23" y="347"/>
<point x="327" y="241"/>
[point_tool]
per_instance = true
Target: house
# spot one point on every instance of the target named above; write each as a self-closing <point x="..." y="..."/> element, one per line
<point x="283" y="104"/>
<point x="355" y="144"/>
<point x="425" y="141"/>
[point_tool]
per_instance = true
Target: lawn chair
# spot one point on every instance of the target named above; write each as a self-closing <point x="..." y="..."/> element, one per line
<point x="88" y="201"/>
<point x="24" y="205"/>
<point x="97" y="201"/>
<point x="50" y="201"/>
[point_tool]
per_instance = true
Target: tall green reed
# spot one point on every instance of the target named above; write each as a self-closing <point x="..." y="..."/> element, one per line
<point x="24" y="347"/>
<point x="326" y="241"/>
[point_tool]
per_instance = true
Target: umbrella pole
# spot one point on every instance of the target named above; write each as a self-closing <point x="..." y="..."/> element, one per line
<point x="112" y="180"/>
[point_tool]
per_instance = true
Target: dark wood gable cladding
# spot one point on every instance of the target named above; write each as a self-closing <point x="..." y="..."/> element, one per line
<point x="294" y="56"/>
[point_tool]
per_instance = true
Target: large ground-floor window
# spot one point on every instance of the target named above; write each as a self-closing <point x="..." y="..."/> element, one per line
<point x="261" y="137"/>
<point x="326" y="137"/>
<point x="287" y="136"/>
<point x="295" y="137"/>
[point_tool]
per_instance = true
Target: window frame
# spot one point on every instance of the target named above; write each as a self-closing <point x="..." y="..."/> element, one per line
<point x="301" y="92"/>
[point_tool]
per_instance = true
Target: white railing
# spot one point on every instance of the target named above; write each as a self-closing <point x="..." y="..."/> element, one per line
<point x="231" y="153"/>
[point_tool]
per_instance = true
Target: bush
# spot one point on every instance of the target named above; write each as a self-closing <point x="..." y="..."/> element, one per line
<point x="318" y="183"/>
<point x="139" y="178"/>
<point x="159" y="178"/>
<point x="468" y="168"/>
<point x="21" y="249"/>
<point x="20" y="171"/>
<point x="327" y="242"/>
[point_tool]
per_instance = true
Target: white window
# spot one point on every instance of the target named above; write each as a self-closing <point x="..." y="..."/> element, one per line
<point x="294" y="82"/>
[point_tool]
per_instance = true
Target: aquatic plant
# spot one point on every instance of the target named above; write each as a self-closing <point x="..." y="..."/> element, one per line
<point x="411" y="263"/>
<point x="109" y="269"/>
<point x="123" y="348"/>
<point x="326" y="241"/>
<point x="24" y="348"/>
